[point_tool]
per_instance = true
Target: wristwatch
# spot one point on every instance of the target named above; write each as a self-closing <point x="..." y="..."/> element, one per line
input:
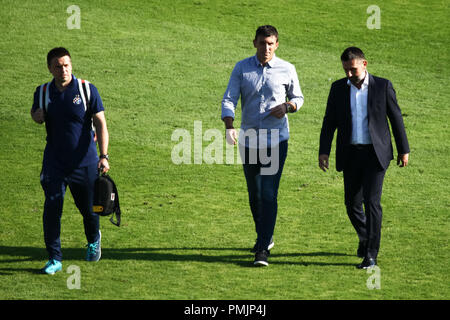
<point x="104" y="156"/>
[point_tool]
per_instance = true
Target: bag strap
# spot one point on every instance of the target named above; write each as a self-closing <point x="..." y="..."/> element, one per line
<point x="116" y="209"/>
<point x="85" y="91"/>
<point x="44" y="93"/>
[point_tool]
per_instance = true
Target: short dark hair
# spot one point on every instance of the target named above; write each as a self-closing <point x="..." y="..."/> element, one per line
<point x="266" y="31"/>
<point x="57" y="53"/>
<point x="352" y="53"/>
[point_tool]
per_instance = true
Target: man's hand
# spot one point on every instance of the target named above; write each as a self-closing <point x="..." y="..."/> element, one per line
<point x="402" y="159"/>
<point x="231" y="136"/>
<point x="104" y="165"/>
<point x="38" y="116"/>
<point x="323" y="162"/>
<point x="279" y="111"/>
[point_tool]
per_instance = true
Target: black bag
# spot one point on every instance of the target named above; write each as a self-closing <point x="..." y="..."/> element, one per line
<point x="106" y="198"/>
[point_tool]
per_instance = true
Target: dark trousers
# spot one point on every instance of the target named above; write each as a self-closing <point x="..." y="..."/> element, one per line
<point x="363" y="184"/>
<point x="263" y="189"/>
<point x="54" y="182"/>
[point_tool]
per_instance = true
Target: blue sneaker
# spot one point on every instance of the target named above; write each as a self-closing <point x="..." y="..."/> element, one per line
<point x="52" y="266"/>
<point x="94" y="250"/>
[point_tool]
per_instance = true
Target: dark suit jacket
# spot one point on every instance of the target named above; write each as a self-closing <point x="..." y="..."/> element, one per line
<point x="381" y="105"/>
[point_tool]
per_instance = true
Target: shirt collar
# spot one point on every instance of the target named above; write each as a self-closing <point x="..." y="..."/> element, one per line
<point x="73" y="82"/>
<point x="271" y="63"/>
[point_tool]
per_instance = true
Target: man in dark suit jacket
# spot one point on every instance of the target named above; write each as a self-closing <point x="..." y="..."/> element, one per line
<point x="359" y="107"/>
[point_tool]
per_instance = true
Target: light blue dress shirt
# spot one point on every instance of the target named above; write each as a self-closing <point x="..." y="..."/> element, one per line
<point x="358" y="103"/>
<point x="262" y="88"/>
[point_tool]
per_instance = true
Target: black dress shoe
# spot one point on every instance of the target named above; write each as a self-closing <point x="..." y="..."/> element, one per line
<point x="362" y="248"/>
<point x="367" y="263"/>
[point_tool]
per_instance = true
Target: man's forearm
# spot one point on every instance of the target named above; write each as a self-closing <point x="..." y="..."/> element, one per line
<point x="103" y="139"/>
<point x="102" y="132"/>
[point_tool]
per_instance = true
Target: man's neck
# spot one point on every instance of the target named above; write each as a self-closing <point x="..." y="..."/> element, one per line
<point x="61" y="86"/>
<point x="360" y="82"/>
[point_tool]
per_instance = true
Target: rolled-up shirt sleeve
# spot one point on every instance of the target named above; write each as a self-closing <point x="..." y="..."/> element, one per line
<point x="294" y="92"/>
<point x="232" y="94"/>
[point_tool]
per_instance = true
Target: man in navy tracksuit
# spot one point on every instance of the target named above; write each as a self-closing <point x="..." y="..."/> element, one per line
<point x="70" y="157"/>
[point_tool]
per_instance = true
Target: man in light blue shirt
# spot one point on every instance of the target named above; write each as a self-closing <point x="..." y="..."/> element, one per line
<point x="269" y="89"/>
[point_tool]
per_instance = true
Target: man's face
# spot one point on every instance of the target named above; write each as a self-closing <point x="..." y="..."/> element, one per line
<point x="61" y="69"/>
<point x="355" y="70"/>
<point x="265" y="48"/>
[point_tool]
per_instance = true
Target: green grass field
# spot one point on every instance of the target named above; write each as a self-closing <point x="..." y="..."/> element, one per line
<point x="187" y="229"/>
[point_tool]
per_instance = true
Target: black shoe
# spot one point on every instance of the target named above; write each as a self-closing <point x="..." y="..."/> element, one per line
<point x="261" y="258"/>
<point x="271" y="244"/>
<point x="367" y="263"/>
<point x="362" y="249"/>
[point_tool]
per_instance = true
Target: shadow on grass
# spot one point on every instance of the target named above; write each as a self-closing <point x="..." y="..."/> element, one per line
<point x="239" y="256"/>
